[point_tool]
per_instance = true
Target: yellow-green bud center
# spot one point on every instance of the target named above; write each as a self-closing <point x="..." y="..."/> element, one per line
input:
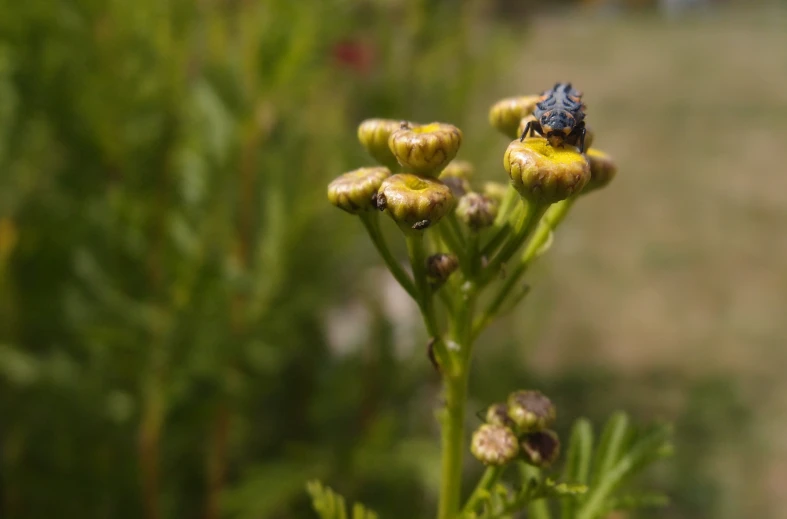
<point x="414" y="202"/>
<point x="543" y="173"/>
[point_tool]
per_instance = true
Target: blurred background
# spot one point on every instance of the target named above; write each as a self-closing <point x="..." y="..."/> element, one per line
<point x="189" y="329"/>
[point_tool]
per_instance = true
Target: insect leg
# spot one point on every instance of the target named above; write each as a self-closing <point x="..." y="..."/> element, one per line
<point x="527" y="129"/>
<point x="582" y="133"/>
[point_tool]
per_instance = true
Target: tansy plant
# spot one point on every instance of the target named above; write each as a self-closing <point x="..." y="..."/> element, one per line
<point x="469" y="249"/>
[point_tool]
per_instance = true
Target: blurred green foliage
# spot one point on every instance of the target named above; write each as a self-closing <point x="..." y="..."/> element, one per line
<point x="164" y="262"/>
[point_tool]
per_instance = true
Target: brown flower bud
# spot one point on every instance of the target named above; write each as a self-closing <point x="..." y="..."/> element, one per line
<point x="414" y="202"/>
<point x="506" y="114"/>
<point x="543" y="173"/>
<point x="602" y="170"/>
<point x="494" y="444"/>
<point x="440" y="266"/>
<point x="374" y="135"/>
<point x="459" y="186"/>
<point x="456" y="175"/>
<point x="497" y="414"/>
<point x="425" y="149"/>
<point x="540" y="448"/>
<point x="354" y="191"/>
<point x="531" y="410"/>
<point x="476" y="211"/>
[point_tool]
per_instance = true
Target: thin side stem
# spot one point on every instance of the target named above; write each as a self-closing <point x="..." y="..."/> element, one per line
<point x="524" y="227"/>
<point x="504" y="226"/>
<point x="488" y="480"/>
<point x="552" y="218"/>
<point x="424" y="296"/>
<point x="372" y="224"/>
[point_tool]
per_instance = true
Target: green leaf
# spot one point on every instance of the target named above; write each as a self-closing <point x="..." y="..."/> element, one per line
<point x="578" y="458"/>
<point x="651" y="446"/>
<point x="330" y="505"/>
<point x="612" y="439"/>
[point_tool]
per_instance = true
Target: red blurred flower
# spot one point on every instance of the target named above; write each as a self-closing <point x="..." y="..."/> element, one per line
<point x="354" y="54"/>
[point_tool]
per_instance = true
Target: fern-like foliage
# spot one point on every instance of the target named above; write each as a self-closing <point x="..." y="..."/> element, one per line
<point x="622" y="453"/>
<point x="330" y="505"/>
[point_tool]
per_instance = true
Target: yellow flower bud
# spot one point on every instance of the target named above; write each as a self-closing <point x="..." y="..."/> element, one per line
<point x="602" y="170"/>
<point x="425" y="149"/>
<point x="459" y="169"/>
<point x="545" y="174"/>
<point x="476" y="211"/>
<point x="494" y="444"/>
<point x="414" y="202"/>
<point x="374" y="135"/>
<point x="496" y="191"/>
<point x="531" y="410"/>
<point x="354" y="191"/>
<point x="456" y="175"/>
<point x="506" y="114"/>
<point x="540" y="448"/>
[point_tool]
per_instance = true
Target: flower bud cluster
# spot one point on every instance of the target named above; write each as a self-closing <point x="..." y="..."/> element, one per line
<point x="415" y="198"/>
<point x="542" y="173"/>
<point x="518" y="428"/>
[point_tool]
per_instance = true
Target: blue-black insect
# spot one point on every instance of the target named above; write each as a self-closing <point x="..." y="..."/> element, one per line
<point x="560" y="117"/>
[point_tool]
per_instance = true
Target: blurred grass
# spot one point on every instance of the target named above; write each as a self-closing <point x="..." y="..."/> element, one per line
<point x="673" y="281"/>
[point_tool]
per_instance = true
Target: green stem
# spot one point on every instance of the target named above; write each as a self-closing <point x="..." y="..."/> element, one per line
<point x="552" y="218"/>
<point x="484" y="487"/>
<point x="453" y="415"/>
<point x="504" y="226"/>
<point x="524" y="227"/>
<point x="452" y="444"/>
<point x="423" y="295"/>
<point x="371" y="222"/>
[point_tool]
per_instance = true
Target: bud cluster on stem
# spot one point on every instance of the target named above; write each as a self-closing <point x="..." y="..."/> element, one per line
<point x="474" y="237"/>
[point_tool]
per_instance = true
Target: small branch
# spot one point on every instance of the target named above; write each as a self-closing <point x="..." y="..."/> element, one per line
<point x="524" y="227"/>
<point x="485" y="484"/>
<point x="372" y="224"/>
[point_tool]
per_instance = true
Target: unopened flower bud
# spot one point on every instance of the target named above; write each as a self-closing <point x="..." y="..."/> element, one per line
<point x="458" y="168"/>
<point x="440" y="266"/>
<point x="354" y="191"/>
<point x="543" y="173"/>
<point x="540" y="448"/>
<point x="497" y="414"/>
<point x="602" y="170"/>
<point x="414" y="202"/>
<point x="494" y="444"/>
<point x="496" y="191"/>
<point x="425" y="149"/>
<point x="476" y="211"/>
<point x="456" y="175"/>
<point x="531" y="410"/>
<point x="374" y="135"/>
<point x="459" y="186"/>
<point x="506" y="114"/>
